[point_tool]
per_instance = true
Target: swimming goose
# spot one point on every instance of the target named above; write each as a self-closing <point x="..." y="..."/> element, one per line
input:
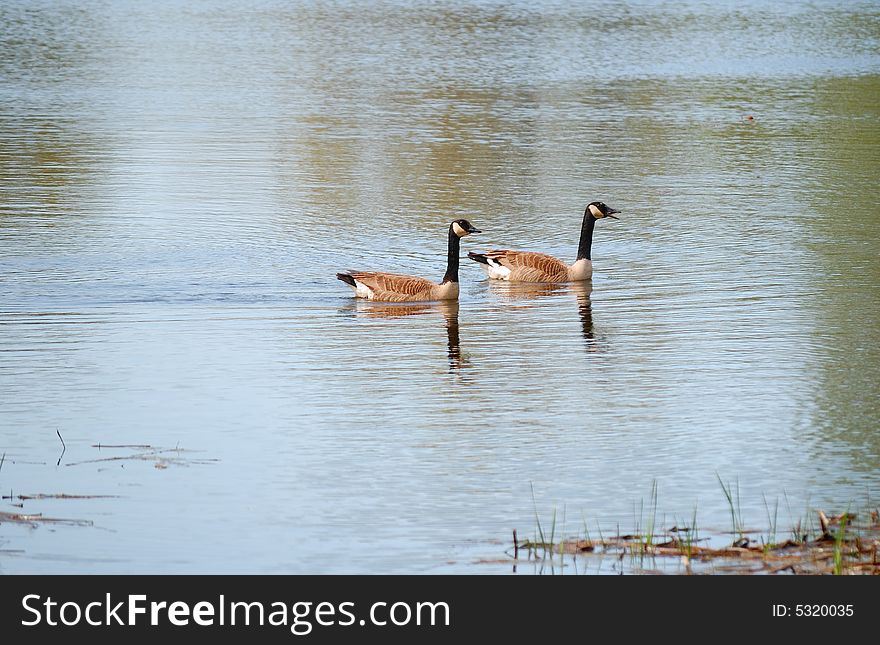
<point x="393" y="287"/>
<point x="525" y="266"/>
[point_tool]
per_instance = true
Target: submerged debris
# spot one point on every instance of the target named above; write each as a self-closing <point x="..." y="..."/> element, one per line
<point x="55" y="496"/>
<point x="34" y="519"/>
<point x="842" y="546"/>
<point x="163" y="457"/>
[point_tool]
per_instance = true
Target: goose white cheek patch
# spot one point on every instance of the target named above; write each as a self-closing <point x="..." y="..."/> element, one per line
<point x="595" y="211"/>
<point x="458" y="229"/>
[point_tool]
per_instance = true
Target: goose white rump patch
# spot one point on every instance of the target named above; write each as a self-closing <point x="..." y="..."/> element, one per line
<point x="497" y="271"/>
<point x="361" y="290"/>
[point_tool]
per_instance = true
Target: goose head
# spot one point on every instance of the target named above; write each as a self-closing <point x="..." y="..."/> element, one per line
<point x="600" y="210"/>
<point x="462" y="227"/>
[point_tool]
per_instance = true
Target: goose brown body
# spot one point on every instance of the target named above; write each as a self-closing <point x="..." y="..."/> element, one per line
<point x="526" y="266"/>
<point x="394" y="287"/>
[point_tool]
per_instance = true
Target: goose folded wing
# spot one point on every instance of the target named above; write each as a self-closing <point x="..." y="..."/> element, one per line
<point x="531" y="267"/>
<point x="393" y="283"/>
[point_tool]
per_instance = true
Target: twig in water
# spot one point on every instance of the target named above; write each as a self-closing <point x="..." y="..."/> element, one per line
<point x="823" y="524"/>
<point x="63" y="446"/>
<point x="2" y="459"/>
<point x="515" y="546"/>
<point x="122" y="445"/>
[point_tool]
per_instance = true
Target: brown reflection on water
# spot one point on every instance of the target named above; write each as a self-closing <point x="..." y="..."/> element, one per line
<point x="447" y="310"/>
<point x="49" y="147"/>
<point x="524" y="295"/>
<point x="45" y="167"/>
<point x="840" y="160"/>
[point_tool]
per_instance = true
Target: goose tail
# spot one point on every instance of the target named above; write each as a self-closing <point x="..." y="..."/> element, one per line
<point x="478" y="257"/>
<point x="347" y="279"/>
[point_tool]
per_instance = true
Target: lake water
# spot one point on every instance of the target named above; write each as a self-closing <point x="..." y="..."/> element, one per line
<point x="180" y="181"/>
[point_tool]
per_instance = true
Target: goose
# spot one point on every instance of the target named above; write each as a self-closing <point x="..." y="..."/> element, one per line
<point x="525" y="266"/>
<point x="393" y="287"/>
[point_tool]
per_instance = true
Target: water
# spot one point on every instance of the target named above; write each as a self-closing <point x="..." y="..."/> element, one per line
<point x="179" y="182"/>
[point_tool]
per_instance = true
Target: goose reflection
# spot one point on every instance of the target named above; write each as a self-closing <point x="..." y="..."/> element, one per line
<point x="522" y="294"/>
<point x="582" y="292"/>
<point x="447" y="309"/>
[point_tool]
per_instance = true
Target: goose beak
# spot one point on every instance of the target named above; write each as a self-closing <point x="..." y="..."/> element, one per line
<point x="474" y="230"/>
<point x="611" y="212"/>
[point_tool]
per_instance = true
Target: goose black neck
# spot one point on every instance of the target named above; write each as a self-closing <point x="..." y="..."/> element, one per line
<point x="586" y="235"/>
<point x="452" y="259"/>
